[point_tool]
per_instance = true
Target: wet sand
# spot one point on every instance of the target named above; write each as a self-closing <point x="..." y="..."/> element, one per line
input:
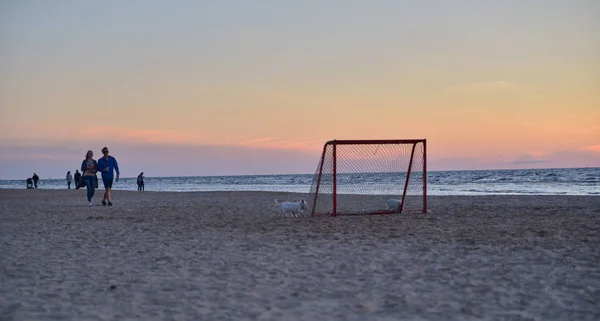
<point x="226" y="256"/>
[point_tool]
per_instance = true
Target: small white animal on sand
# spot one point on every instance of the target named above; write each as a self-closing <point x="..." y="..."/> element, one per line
<point x="295" y="208"/>
<point x="392" y="205"/>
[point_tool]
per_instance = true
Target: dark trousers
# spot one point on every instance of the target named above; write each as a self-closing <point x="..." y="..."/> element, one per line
<point x="69" y="185"/>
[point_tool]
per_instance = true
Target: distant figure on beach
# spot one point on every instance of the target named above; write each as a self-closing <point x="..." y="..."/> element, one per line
<point x="89" y="167"/>
<point x="69" y="179"/>
<point x="29" y="183"/>
<point x="77" y="179"/>
<point x="140" y="181"/>
<point x="107" y="165"/>
<point x="35" y="180"/>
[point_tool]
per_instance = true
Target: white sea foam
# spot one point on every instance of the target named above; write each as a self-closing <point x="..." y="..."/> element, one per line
<point x="571" y="181"/>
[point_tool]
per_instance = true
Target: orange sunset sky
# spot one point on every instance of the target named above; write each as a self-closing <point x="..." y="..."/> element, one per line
<point x="184" y="88"/>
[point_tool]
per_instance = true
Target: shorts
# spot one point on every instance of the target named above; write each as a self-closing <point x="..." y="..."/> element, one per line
<point x="107" y="182"/>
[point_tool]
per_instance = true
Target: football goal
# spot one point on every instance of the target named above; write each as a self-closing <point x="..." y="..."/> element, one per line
<point x="357" y="177"/>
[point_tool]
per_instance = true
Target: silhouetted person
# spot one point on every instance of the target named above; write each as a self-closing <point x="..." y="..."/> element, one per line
<point x="29" y="183"/>
<point x="69" y="179"/>
<point x="77" y="179"/>
<point x="140" y="181"/>
<point x="35" y="180"/>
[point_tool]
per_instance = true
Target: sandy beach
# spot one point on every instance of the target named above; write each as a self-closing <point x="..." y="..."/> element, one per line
<point x="226" y="256"/>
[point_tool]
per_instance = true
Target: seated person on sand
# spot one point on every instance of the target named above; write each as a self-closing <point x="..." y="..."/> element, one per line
<point x="29" y="183"/>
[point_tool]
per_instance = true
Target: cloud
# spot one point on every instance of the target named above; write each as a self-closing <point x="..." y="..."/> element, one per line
<point x="304" y="144"/>
<point x="526" y="162"/>
<point x="592" y="148"/>
<point x="587" y="157"/>
<point x="47" y="133"/>
<point x="158" y="160"/>
<point x="256" y="141"/>
<point x="146" y="136"/>
<point x="584" y="157"/>
<point x="106" y="135"/>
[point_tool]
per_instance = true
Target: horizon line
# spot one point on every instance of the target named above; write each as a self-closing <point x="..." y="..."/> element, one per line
<point x="287" y="174"/>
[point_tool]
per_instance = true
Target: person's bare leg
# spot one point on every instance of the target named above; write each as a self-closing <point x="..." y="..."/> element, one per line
<point x="107" y="192"/>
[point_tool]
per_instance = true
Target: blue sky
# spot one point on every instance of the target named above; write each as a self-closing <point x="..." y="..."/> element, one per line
<point x="490" y="84"/>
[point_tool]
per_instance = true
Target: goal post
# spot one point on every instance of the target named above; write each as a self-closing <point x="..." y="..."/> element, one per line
<point x="357" y="177"/>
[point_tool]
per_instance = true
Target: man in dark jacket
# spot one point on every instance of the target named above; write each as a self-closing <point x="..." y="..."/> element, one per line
<point x="77" y="177"/>
<point x="35" y="180"/>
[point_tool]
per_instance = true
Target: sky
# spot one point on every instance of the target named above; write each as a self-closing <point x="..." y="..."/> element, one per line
<point x="186" y="88"/>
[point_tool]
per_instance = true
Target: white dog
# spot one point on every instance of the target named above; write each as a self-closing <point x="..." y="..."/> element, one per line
<point x="294" y="208"/>
<point x="392" y="205"/>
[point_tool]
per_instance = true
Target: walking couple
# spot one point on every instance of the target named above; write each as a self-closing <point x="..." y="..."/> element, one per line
<point x="106" y="165"/>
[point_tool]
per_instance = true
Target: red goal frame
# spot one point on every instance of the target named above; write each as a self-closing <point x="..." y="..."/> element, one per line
<point x="333" y="145"/>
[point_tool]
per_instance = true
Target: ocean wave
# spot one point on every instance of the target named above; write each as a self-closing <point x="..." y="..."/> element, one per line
<point x="493" y="182"/>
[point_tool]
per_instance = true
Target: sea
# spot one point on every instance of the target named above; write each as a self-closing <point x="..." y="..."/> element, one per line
<point x="556" y="181"/>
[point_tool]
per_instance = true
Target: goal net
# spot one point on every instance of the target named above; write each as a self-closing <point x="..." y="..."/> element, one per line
<point x="357" y="177"/>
